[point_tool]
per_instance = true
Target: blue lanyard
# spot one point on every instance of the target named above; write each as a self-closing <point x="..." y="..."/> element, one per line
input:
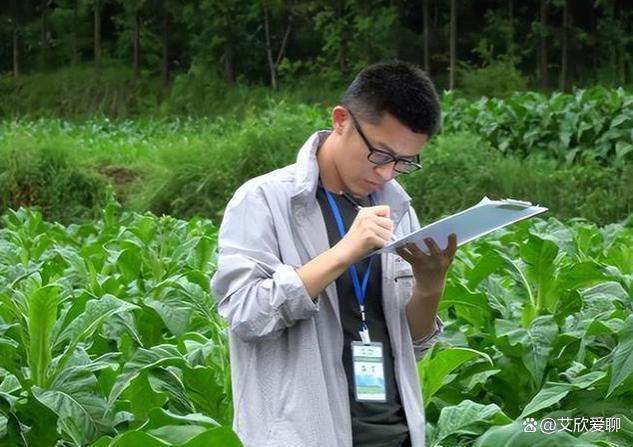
<point x="359" y="290"/>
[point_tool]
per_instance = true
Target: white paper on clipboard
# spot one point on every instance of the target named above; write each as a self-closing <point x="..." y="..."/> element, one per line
<point x="471" y="223"/>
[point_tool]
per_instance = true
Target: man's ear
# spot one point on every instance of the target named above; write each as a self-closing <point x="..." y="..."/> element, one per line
<point x="340" y="119"/>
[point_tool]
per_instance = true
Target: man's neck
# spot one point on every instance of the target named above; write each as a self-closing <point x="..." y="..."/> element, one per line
<point x="328" y="171"/>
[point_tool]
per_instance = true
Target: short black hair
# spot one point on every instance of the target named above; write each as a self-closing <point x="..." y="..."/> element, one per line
<point x="401" y="89"/>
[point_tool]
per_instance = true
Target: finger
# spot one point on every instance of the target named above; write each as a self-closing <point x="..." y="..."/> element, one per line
<point x="384" y="222"/>
<point x="406" y="254"/>
<point x="378" y="210"/>
<point x="433" y="248"/>
<point x="451" y="248"/>
<point x="416" y="251"/>
<point x="381" y="232"/>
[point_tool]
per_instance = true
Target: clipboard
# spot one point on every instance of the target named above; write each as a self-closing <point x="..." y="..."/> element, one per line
<point x="469" y="224"/>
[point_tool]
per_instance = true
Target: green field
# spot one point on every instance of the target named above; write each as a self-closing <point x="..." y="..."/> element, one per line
<point x="108" y="330"/>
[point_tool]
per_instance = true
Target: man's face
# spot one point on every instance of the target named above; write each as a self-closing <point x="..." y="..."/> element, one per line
<point x="358" y="174"/>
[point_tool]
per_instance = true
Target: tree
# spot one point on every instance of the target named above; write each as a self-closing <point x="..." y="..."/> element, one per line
<point x="542" y="48"/>
<point x="511" y="26"/>
<point x="453" y="38"/>
<point x="132" y="11"/>
<point x="273" y="64"/>
<point x="425" y="33"/>
<point x="15" y="33"/>
<point x="564" y="47"/>
<point x="97" y="4"/>
<point x="44" y="37"/>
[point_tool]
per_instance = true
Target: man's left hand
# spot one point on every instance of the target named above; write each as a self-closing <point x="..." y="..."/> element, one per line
<point x="430" y="269"/>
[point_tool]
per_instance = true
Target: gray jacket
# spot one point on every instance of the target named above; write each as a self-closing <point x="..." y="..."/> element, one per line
<point x="289" y="385"/>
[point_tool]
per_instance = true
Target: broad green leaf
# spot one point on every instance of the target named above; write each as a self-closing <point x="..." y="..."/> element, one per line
<point x="129" y="263"/>
<point x="219" y="436"/>
<point x="582" y="274"/>
<point x="539" y="256"/>
<point x="597" y="327"/>
<point x="145" y="228"/>
<point x="456" y="294"/>
<point x="42" y="422"/>
<point x="104" y="441"/>
<point x="177" y="434"/>
<point x="156" y="356"/>
<point x="623" y="356"/>
<point x="510" y="337"/>
<point x="489" y="263"/>
<point x="619" y="437"/>
<point x="76" y="413"/>
<point x="136" y="439"/>
<point x="539" y="341"/>
<point x="96" y="312"/>
<point x="586" y="380"/>
<point x="549" y="395"/>
<point x="79" y="409"/>
<point x="167" y="380"/>
<point x="205" y="389"/>
<point x="201" y="254"/>
<point x="10" y="384"/>
<point x="223" y="436"/>
<point x="173" y="311"/>
<point x="142" y="397"/>
<point x="159" y="417"/>
<point x="513" y="435"/>
<point x="468" y="418"/>
<point x="434" y="369"/>
<point x="42" y="315"/>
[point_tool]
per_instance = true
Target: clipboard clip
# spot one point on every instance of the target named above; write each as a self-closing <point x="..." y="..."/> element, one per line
<point x="514" y="204"/>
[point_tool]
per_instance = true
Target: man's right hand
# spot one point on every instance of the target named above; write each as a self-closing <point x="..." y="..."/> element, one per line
<point x="370" y="231"/>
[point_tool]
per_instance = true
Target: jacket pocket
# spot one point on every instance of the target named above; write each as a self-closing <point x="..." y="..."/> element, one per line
<point x="283" y="434"/>
<point x="403" y="278"/>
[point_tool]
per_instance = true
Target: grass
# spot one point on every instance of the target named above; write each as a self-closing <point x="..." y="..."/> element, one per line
<point x="192" y="166"/>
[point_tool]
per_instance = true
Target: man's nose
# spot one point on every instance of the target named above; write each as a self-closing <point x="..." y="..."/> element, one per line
<point x="386" y="171"/>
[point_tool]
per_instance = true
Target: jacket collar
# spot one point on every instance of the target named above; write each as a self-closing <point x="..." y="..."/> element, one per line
<point x="307" y="177"/>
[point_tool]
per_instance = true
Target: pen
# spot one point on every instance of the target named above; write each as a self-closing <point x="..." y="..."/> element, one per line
<point x="358" y="207"/>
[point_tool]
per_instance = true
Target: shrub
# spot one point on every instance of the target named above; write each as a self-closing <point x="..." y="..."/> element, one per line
<point x="460" y="169"/>
<point x="498" y="78"/>
<point x="47" y="177"/>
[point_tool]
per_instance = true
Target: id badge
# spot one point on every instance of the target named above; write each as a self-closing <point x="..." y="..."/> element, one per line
<point x="369" y="372"/>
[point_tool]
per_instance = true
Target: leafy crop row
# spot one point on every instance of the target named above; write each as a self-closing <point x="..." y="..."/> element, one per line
<point x="539" y="324"/>
<point x="589" y="125"/>
<point x="108" y="333"/>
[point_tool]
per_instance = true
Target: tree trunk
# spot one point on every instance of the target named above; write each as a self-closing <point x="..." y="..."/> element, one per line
<point x="542" y="59"/>
<point x="75" y="57"/>
<point x="453" y="36"/>
<point x="44" y="33"/>
<point x="137" y="44"/>
<point x="164" y="72"/>
<point x="97" y="31"/>
<point x="282" y="49"/>
<point x="269" y="50"/>
<point x="564" y="46"/>
<point x="343" y="52"/>
<point x="16" y="50"/>
<point x="511" y="20"/>
<point x="425" y="32"/>
<point x="15" y="42"/>
<point x="229" y="69"/>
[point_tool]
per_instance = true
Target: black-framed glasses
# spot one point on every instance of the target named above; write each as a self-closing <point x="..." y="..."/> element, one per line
<point x="380" y="157"/>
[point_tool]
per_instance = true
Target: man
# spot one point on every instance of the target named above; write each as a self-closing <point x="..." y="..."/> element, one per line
<point x="324" y="338"/>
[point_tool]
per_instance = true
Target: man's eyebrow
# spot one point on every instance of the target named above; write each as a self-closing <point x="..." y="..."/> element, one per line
<point x="382" y="146"/>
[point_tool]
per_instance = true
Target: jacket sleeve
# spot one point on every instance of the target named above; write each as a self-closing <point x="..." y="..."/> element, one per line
<point x="421" y="345"/>
<point x="257" y="294"/>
